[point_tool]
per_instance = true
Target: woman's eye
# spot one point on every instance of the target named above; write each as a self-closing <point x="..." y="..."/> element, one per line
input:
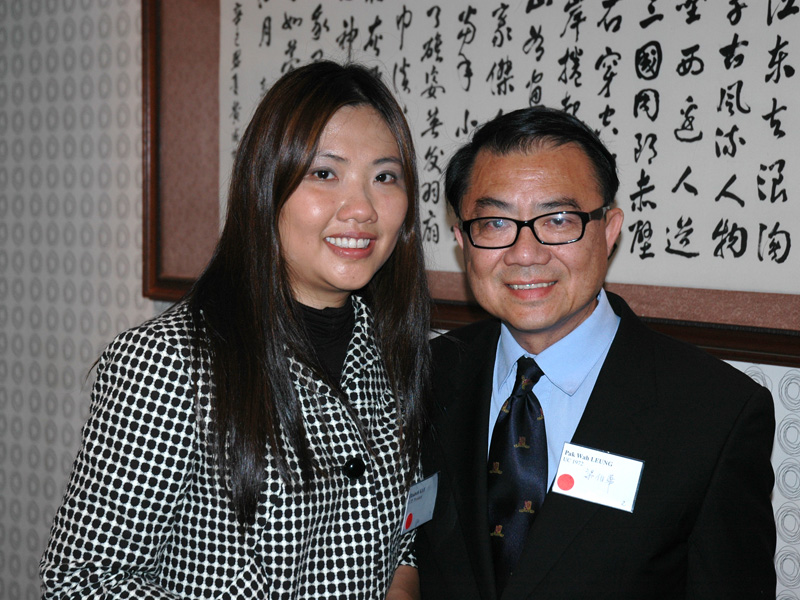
<point x="386" y="178"/>
<point x="323" y="174"/>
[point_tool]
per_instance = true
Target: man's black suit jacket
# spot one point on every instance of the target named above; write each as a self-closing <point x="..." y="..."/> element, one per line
<point x="703" y="524"/>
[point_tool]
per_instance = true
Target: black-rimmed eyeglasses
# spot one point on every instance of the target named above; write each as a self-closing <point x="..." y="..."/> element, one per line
<point x="551" y="229"/>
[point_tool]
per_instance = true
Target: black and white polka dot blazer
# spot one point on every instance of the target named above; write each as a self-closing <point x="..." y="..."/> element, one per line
<point x="144" y="514"/>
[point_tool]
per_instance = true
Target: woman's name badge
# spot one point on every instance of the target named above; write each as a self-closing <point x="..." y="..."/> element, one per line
<point x="420" y="503"/>
<point x="597" y="476"/>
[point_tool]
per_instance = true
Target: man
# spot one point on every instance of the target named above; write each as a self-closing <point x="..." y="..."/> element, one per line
<point x="691" y="516"/>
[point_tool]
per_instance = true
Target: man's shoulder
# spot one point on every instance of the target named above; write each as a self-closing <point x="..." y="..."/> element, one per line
<point x="678" y="356"/>
<point x="473" y="336"/>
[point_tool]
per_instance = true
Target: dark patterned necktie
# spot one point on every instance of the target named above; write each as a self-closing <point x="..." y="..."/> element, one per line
<point x="517" y="480"/>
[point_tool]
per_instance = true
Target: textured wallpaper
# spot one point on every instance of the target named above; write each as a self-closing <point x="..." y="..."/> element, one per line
<point x="70" y="244"/>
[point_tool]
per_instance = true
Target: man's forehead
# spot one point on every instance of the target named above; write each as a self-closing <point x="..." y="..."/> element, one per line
<point x="550" y="176"/>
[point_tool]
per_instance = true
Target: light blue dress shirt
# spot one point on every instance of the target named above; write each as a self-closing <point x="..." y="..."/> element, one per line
<point x="570" y="367"/>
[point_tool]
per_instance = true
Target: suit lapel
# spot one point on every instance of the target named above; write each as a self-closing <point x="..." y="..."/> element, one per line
<point x="612" y="422"/>
<point x="463" y="444"/>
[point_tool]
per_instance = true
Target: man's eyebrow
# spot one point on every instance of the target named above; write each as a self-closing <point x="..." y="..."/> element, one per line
<point x="565" y="203"/>
<point x="557" y="204"/>
<point x="489" y="202"/>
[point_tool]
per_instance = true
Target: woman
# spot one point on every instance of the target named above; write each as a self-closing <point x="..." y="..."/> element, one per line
<point x="258" y="439"/>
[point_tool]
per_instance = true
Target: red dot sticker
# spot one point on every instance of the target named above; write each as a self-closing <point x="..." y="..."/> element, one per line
<point x="409" y="520"/>
<point x="565" y="482"/>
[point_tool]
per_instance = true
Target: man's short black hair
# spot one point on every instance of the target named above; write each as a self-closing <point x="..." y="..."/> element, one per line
<point x="528" y="130"/>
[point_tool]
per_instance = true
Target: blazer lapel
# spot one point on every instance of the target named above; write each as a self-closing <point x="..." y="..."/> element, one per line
<point x="612" y="422"/>
<point x="463" y="443"/>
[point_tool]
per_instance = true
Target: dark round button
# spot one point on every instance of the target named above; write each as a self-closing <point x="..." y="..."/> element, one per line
<point x="354" y="468"/>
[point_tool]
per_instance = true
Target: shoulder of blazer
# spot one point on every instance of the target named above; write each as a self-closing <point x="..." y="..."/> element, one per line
<point x="475" y="337"/>
<point x="679" y="357"/>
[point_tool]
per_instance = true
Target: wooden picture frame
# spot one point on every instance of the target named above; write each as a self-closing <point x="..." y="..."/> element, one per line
<point x="180" y="54"/>
<point x="180" y="143"/>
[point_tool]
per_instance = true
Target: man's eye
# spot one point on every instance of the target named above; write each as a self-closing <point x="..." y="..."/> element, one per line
<point x="559" y="221"/>
<point x="495" y="224"/>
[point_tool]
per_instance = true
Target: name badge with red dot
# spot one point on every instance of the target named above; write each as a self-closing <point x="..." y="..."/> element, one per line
<point x="420" y="503"/>
<point x="599" y="477"/>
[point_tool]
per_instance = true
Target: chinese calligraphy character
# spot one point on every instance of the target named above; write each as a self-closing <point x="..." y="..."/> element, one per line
<point x="433" y="123"/>
<point x="685" y="230"/>
<point x="731" y="98"/>
<point x="374" y="38"/>
<point x="403" y="22"/>
<point x="783" y="9"/>
<point x="502" y="31"/>
<point x="638" y="200"/>
<point x="348" y="36"/>
<point x="430" y="229"/>
<point x="777" y="193"/>
<point x="319" y="24"/>
<point x="535" y="93"/>
<point x="608" y="62"/>
<point x="402" y="71"/>
<point x="469" y="125"/>
<point x="731" y="236"/>
<point x="729" y="148"/>
<point x="501" y="75"/>
<point x="574" y="10"/>
<point x="266" y="32"/>
<point x="691" y="10"/>
<point x="733" y="59"/>
<point x="642" y="142"/>
<point x="772" y="117"/>
<point x="610" y="24"/>
<point x="686" y="185"/>
<point x="686" y="133"/>
<point x="778" y="243"/>
<point x="726" y="193"/>
<point x="735" y="13"/>
<point x="654" y="16"/>
<point x="777" y="56"/>
<point x="534" y="42"/>
<point x="642" y="234"/>
<point x="648" y="101"/>
<point x="648" y="60"/>
<point x="571" y="61"/>
<point x="690" y="64"/>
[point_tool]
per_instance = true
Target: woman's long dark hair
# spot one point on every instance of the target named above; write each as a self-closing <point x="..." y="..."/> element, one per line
<point x="243" y="300"/>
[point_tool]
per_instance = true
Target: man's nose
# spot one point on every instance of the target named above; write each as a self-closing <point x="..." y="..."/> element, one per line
<point x="527" y="250"/>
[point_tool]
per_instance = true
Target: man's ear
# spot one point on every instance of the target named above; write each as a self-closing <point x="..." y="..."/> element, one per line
<point x="459" y="236"/>
<point x="614" y="219"/>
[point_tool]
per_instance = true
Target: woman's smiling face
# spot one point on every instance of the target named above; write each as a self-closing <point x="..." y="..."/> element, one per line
<point x="342" y="222"/>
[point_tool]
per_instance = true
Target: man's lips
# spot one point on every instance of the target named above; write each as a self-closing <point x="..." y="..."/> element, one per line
<point x="530" y="286"/>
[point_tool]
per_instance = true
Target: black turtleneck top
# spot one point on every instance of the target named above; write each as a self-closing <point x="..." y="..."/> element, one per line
<point x="330" y="331"/>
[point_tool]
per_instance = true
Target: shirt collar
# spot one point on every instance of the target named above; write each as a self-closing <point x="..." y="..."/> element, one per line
<point x="567" y="362"/>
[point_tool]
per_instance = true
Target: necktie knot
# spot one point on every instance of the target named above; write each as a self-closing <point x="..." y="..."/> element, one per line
<point x="528" y="374"/>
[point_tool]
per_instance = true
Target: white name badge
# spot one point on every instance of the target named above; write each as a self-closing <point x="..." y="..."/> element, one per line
<point x="420" y="503"/>
<point x="597" y="476"/>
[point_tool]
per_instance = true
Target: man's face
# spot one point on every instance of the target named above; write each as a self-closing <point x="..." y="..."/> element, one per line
<point x="540" y="292"/>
